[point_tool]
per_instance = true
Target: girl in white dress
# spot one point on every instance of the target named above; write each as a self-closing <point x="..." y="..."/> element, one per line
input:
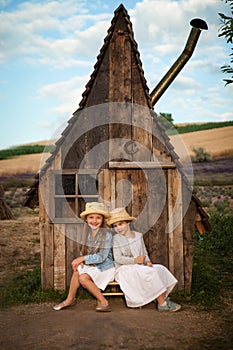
<point x="94" y="269"/>
<point x="141" y="281"/>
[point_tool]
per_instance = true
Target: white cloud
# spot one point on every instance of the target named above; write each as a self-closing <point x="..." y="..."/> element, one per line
<point x="61" y="89"/>
<point x="185" y="83"/>
<point x="168" y="23"/>
<point x="226" y="116"/>
<point x="51" y="29"/>
<point x="57" y="62"/>
<point x="41" y="32"/>
<point x="65" y="96"/>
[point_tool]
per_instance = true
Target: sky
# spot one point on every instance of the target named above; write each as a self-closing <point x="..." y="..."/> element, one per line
<point x="48" y="50"/>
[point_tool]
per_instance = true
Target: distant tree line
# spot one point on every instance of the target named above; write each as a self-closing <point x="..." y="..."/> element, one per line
<point x="205" y="126"/>
<point x="21" y="150"/>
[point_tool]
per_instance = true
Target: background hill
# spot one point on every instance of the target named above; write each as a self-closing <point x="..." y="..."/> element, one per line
<point x="218" y="142"/>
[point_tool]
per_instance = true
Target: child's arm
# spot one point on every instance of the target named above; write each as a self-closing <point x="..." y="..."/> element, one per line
<point x="121" y="253"/>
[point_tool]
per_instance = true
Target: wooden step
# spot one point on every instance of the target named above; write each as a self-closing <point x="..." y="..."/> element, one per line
<point x="114" y="289"/>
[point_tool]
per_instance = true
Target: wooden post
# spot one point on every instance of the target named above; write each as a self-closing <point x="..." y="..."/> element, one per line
<point x="175" y="227"/>
<point x="46" y="234"/>
<point x="59" y="257"/>
<point x="170" y="222"/>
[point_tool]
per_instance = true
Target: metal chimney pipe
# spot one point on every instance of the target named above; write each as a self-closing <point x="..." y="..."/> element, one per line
<point x="198" y="25"/>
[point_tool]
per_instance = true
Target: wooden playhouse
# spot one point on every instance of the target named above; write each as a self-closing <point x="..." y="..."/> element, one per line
<point x="115" y="150"/>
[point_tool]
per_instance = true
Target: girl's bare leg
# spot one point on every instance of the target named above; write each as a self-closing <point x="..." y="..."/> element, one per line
<point x="87" y="282"/>
<point x="161" y="298"/>
<point x="74" y="285"/>
<point x="70" y="300"/>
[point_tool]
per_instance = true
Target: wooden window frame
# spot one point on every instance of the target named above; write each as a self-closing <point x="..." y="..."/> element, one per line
<point x="75" y="196"/>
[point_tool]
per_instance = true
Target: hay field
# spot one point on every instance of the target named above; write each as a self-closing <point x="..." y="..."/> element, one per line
<point x="25" y="164"/>
<point x="218" y="142"/>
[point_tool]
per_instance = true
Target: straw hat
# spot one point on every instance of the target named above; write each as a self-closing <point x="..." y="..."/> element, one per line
<point x="94" y="208"/>
<point x="119" y="214"/>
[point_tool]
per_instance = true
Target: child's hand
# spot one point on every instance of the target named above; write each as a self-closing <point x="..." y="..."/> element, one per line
<point x="76" y="262"/>
<point x="149" y="264"/>
<point x="139" y="259"/>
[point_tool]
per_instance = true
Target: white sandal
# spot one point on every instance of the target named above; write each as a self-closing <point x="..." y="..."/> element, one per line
<point x="63" y="305"/>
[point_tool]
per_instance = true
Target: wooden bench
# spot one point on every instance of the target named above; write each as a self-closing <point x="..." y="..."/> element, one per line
<point x="113" y="289"/>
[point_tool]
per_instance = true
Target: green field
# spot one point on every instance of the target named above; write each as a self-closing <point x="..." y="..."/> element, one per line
<point x="203" y="126"/>
<point x="21" y="150"/>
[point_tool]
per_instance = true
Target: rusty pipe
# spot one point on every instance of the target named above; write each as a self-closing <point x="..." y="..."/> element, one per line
<point x="197" y="25"/>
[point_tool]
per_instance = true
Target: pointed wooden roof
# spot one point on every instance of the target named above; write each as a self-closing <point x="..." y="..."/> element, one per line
<point x="121" y="26"/>
<point x="117" y="77"/>
<point x="99" y="81"/>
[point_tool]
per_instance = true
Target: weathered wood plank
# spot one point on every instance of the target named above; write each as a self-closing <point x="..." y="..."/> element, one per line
<point x="170" y="222"/>
<point x="119" y="91"/>
<point x="59" y="257"/>
<point x="188" y="234"/>
<point x="156" y="219"/>
<point x="199" y="224"/>
<point x="176" y="215"/>
<point x="123" y="189"/>
<point x="73" y="246"/>
<point x="139" y="200"/>
<point x="117" y="58"/>
<point x="158" y="245"/>
<point x="113" y="189"/>
<point x="141" y="165"/>
<point x="46" y="234"/>
<point x="57" y="160"/>
<point x="107" y="186"/>
<point x="46" y="244"/>
<point x="159" y="144"/>
<point x="101" y="84"/>
<point x="141" y="134"/>
<point x="139" y="94"/>
<point x="127" y="70"/>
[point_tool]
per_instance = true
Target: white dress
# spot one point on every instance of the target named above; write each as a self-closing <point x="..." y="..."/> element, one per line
<point x="100" y="278"/>
<point x="142" y="284"/>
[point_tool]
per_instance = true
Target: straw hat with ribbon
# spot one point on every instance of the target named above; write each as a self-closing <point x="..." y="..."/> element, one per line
<point x="119" y="214"/>
<point x="94" y="208"/>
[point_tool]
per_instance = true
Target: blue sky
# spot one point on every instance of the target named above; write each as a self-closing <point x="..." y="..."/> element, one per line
<point x="49" y="48"/>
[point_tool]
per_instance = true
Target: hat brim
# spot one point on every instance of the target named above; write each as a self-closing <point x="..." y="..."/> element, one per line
<point x="88" y="212"/>
<point x="120" y="218"/>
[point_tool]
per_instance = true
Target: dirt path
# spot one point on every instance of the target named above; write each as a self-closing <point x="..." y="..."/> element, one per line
<point x="81" y="327"/>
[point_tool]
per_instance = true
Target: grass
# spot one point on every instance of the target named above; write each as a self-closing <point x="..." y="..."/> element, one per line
<point x="20" y="150"/>
<point x="26" y="288"/>
<point x="213" y="260"/>
<point x="22" y="181"/>
<point x="218" y="179"/>
<point x="198" y="127"/>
